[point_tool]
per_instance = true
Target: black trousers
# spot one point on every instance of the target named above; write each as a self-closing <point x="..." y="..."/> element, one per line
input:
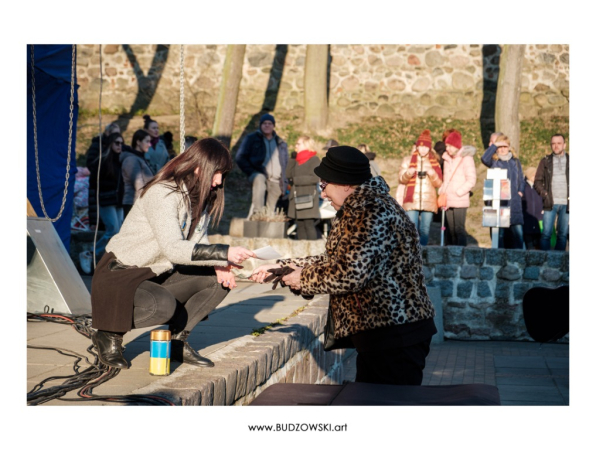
<point x="401" y="366"/>
<point x="181" y="299"/>
<point x="456" y="226"/>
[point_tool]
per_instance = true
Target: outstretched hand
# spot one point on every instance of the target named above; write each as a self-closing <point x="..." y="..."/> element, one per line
<point x="238" y="255"/>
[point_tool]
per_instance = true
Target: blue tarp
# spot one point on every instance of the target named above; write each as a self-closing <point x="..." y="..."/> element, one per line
<point x="53" y="65"/>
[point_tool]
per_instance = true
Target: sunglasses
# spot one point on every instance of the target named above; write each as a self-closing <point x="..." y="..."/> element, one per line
<point x="323" y="185"/>
<point x="118" y="142"/>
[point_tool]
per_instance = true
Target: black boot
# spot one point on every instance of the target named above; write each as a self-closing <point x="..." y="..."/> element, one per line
<point x="183" y="352"/>
<point x="109" y="349"/>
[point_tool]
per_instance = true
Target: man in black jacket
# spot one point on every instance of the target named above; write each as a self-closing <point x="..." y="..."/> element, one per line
<point x="552" y="183"/>
<point x="263" y="157"/>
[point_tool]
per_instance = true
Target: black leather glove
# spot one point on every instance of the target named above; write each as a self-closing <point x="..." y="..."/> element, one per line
<point x="276" y="277"/>
<point x="212" y="252"/>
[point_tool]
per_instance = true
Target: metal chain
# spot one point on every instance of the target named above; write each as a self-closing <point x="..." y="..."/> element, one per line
<point x="100" y="161"/>
<point x="182" y="131"/>
<point x="72" y="77"/>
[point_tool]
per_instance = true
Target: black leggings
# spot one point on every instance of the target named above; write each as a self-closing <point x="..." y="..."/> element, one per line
<point x="181" y="299"/>
<point x="456" y="226"/>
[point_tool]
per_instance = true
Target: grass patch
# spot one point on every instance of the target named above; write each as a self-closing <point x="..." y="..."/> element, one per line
<point x="263" y="330"/>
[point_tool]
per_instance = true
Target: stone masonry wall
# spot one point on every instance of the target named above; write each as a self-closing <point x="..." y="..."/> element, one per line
<point x="385" y="80"/>
<point x="482" y="289"/>
<point x="289" y="353"/>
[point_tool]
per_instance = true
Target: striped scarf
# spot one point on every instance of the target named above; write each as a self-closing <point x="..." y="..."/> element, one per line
<point x="409" y="197"/>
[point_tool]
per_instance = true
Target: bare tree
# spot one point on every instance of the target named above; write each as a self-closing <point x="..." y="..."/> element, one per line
<point x="223" y="124"/>
<point x="315" y="87"/>
<point x="508" y="92"/>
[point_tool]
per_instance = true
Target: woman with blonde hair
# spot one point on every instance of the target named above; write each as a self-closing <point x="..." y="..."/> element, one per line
<point x="500" y="154"/>
<point x="420" y="175"/>
<point x="304" y="197"/>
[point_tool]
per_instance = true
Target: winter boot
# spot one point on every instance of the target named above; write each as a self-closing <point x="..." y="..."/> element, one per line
<point x="183" y="352"/>
<point x="109" y="349"/>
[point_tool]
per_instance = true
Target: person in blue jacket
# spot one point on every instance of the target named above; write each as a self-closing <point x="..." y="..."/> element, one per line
<point x="501" y="155"/>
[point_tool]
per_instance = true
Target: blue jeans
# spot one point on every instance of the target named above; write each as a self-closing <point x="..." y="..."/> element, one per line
<point x="112" y="217"/>
<point x="548" y="223"/>
<point x="422" y="220"/>
<point x="517" y="234"/>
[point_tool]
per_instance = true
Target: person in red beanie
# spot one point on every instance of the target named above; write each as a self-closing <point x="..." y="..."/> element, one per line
<point x="420" y="175"/>
<point x="300" y="174"/>
<point x="459" y="175"/>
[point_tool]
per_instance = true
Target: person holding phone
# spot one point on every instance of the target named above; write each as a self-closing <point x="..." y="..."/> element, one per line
<point x="420" y="175"/>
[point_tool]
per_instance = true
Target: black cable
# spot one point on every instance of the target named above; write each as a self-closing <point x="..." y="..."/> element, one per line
<point x="84" y="380"/>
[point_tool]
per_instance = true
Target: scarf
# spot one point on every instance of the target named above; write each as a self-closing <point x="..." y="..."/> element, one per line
<point x="409" y="197"/>
<point x="304" y="156"/>
<point x="507" y="157"/>
<point x="154" y="142"/>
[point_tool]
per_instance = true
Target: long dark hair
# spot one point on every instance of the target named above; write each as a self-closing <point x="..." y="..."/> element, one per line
<point x="110" y="160"/>
<point x="210" y="156"/>
<point x="138" y="136"/>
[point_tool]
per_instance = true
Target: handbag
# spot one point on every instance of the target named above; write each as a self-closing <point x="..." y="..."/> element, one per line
<point x="303" y="201"/>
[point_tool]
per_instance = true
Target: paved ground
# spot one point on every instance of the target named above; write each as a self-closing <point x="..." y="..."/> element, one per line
<point x="526" y="373"/>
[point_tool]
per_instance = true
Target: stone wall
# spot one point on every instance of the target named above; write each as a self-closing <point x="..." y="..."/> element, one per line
<point x="385" y="80"/>
<point x="289" y="353"/>
<point x="482" y="289"/>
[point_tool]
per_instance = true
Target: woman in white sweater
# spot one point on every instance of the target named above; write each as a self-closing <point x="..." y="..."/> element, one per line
<point x="160" y="268"/>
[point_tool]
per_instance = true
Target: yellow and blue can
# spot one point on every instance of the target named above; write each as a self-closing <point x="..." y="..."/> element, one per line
<point x="159" y="360"/>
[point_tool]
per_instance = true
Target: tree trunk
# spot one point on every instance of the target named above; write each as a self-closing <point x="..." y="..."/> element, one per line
<point x="315" y="87"/>
<point x="508" y="92"/>
<point x="223" y="124"/>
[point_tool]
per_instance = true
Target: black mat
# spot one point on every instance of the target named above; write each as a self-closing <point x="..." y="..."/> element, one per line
<point x="365" y="394"/>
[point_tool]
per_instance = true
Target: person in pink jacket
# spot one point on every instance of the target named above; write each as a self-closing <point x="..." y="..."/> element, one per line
<point x="459" y="177"/>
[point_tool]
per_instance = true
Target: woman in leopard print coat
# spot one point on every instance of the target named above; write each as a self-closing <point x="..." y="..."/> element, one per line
<point x="372" y="271"/>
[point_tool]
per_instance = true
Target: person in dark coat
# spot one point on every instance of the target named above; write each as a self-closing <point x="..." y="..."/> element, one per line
<point x="532" y="208"/>
<point x="552" y="183"/>
<point x="263" y="157"/>
<point x="501" y="155"/>
<point x="92" y="155"/>
<point x="111" y="188"/>
<point x="302" y="178"/>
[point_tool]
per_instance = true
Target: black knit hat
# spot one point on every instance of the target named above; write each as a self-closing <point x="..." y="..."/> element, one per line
<point x="344" y="165"/>
<point x="265" y="117"/>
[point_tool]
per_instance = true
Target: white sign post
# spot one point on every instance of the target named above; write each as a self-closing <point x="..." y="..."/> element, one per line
<point x="495" y="190"/>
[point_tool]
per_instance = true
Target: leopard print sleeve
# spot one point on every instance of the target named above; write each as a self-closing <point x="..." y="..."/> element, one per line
<point x="358" y="256"/>
<point x="301" y="262"/>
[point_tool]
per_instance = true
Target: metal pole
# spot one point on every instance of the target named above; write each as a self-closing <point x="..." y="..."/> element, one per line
<point x="442" y="227"/>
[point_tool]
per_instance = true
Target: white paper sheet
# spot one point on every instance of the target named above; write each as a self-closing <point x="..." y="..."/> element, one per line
<point x="267" y="253"/>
